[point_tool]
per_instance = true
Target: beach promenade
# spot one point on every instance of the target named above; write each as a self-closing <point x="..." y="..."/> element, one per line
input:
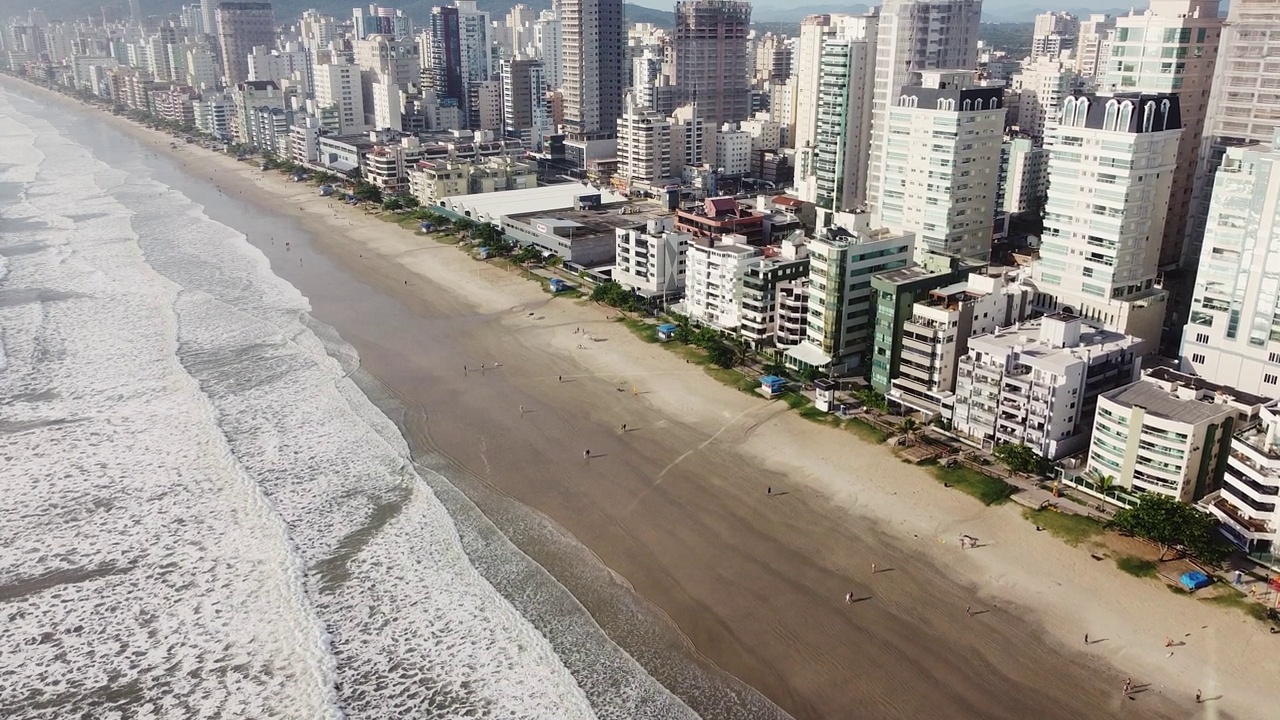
<point x="676" y="505"/>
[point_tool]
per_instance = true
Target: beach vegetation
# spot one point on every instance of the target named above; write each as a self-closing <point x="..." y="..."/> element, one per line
<point x="872" y="399"/>
<point x="1237" y="600"/>
<point x="1137" y="567"/>
<point x="866" y="431"/>
<point x="908" y="426"/>
<point x="367" y="192"/>
<point x="408" y="202"/>
<point x="1070" y="528"/>
<point x="393" y="203"/>
<point x="989" y="490"/>
<point x="1020" y="458"/>
<point x="612" y="293"/>
<point x="1173" y="526"/>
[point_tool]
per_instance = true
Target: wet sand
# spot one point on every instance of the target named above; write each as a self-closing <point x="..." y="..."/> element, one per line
<point x="676" y="506"/>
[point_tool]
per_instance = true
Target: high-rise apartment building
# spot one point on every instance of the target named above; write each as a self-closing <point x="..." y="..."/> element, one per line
<point x="1041" y="86"/>
<point x="644" y="145"/>
<point x="525" y="114"/>
<point x="709" y="57"/>
<point x="1112" y="162"/>
<point x="375" y="20"/>
<point x="593" y="47"/>
<point x="1244" y="106"/>
<point x="843" y="133"/>
<point x="209" y="17"/>
<point x="546" y="39"/>
<point x="1055" y="34"/>
<point x="1093" y="48"/>
<point x="399" y="59"/>
<point x="442" y="56"/>
<point x="914" y="36"/>
<point x="834" y="85"/>
<point x="1171" y="48"/>
<point x="942" y="170"/>
<point x="1233" y="336"/>
<point x="339" y="99"/>
<point x="242" y="26"/>
<point x="815" y="32"/>
<point x="318" y="31"/>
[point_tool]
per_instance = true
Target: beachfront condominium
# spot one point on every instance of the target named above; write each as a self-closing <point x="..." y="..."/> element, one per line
<point x="1093" y="48"/>
<point x="1112" y="160"/>
<point x="249" y="96"/>
<point x="1233" y="334"/>
<point x="709" y="57"/>
<point x="1168" y="434"/>
<point x="936" y="335"/>
<point x="289" y="65"/>
<point x="1037" y="383"/>
<point x="714" y="268"/>
<point x="1171" y="47"/>
<point x="242" y="26"/>
<point x="1054" y="35"/>
<point x="833" y="123"/>
<point x="593" y="47"/>
<point x="942" y="153"/>
<point x="374" y="20"/>
<point x="775" y="296"/>
<point x="525" y="113"/>
<point x="914" y="36"/>
<point x="650" y="260"/>
<point x="842" y="305"/>
<point x="1247" y="503"/>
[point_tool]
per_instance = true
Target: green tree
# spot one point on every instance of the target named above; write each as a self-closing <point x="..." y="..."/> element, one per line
<point x="409" y="201"/>
<point x="367" y="192"/>
<point x="1019" y="458"/>
<point x="908" y="426"/>
<point x="721" y="354"/>
<point x="392" y="203"/>
<point x="1173" y="525"/>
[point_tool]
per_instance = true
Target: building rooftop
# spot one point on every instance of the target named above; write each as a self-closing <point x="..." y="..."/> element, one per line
<point x="539" y="200"/>
<point x="603" y="221"/>
<point x="905" y="275"/>
<point x="1024" y="339"/>
<point x="1155" y="400"/>
<point x="1165" y="374"/>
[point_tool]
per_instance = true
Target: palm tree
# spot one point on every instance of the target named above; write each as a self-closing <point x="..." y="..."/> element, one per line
<point x="908" y="426"/>
<point x="1102" y="483"/>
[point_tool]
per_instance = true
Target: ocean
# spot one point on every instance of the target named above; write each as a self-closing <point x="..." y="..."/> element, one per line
<point x="202" y="515"/>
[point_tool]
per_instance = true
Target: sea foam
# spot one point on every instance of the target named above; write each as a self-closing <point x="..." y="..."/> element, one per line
<point x="201" y="515"/>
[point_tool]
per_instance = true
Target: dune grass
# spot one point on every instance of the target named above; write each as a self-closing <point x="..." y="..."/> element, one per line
<point x="988" y="490"/>
<point x="1071" y="529"/>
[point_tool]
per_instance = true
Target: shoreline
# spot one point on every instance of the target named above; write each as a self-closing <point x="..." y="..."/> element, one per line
<point x="776" y="559"/>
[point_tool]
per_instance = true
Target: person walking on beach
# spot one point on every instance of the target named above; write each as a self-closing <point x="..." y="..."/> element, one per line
<point x="1198" y="696"/>
<point x="768" y="490"/>
<point x="848" y="597"/>
<point x="559" y="378"/>
<point x="1086" y="638"/>
<point x="624" y="427"/>
<point x="873" y="568"/>
<point x="586" y="454"/>
<point x="521" y="411"/>
<point x="1128" y="685"/>
<point x="969" y="610"/>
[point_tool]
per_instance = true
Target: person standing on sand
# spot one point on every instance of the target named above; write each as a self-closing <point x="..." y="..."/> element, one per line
<point x="873" y="568"/>
<point x="586" y="454"/>
<point x="1086" y="638"/>
<point x="968" y="610"/>
<point x="848" y="597"/>
<point x="1128" y="685"/>
<point x="1198" y="696"/>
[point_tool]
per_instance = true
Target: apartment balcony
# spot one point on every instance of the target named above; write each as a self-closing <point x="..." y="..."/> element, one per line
<point x="1236" y="516"/>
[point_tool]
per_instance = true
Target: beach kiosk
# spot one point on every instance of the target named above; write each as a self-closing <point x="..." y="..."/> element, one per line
<point x="557" y="285"/>
<point x="667" y="332"/>
<point x="772" y="385"/>
<point x="824" y="397"/>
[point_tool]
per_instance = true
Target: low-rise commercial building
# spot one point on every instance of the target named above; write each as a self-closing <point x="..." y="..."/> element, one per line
<point x="1037" y="383"/>
<point x="586" y="234"/>
<point x="1168" y="433"/>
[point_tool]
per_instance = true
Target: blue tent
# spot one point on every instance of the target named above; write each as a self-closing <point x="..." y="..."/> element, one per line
<point x="1194" y="580"/>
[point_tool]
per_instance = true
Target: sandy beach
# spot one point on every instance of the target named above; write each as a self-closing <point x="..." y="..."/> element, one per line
<point x="676" y="505"/>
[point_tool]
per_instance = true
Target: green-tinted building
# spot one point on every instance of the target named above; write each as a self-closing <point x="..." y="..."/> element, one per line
<point x="894" y="292"/>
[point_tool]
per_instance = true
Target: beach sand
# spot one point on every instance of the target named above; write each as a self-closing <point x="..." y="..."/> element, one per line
<point x="676" y="506"/>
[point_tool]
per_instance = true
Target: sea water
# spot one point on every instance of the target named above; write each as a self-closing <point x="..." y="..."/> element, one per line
<point x="201" y="515"/>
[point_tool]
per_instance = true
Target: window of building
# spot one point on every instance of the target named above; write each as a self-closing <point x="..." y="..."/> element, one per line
<point x="1269" y="379"/>
<point x="1197" y="358"/>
